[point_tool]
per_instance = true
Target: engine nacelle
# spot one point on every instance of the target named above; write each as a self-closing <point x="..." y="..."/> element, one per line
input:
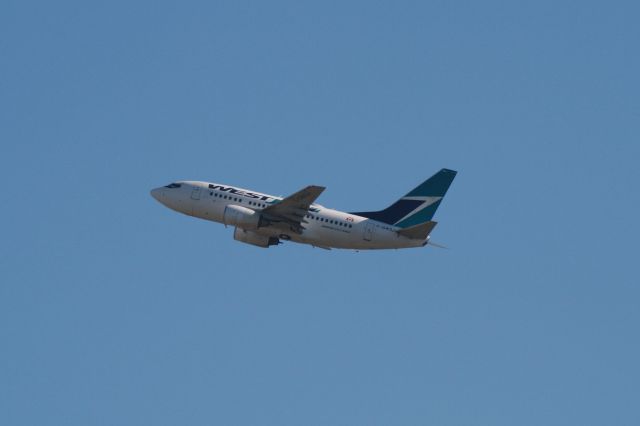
<point x="241" y="217"/>
<point x="254" y="238"/>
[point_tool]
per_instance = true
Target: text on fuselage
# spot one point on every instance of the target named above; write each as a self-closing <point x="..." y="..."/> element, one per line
<point x="233" y="190"/>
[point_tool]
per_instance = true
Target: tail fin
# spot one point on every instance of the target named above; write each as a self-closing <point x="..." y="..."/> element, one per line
<point x="419" y="205"/>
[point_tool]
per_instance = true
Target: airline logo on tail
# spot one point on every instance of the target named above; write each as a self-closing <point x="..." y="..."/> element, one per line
<point x="426" y="202"/>
<point x="419" y="205"/>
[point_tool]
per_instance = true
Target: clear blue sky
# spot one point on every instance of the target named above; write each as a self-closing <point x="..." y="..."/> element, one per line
<point x="117" y="311"/>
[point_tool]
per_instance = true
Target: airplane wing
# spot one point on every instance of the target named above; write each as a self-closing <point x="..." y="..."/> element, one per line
<point x="292" y="209"/>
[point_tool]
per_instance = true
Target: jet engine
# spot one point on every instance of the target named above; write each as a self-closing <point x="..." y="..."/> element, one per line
<point x="254" y="238"/>
<point x="241" y="217"/>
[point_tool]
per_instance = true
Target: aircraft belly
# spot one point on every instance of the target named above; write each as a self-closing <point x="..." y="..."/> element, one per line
<point x="324" y="236"/>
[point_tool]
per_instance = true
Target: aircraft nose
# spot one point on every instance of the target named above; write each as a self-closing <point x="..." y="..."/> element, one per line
<point x="157" y="194"/>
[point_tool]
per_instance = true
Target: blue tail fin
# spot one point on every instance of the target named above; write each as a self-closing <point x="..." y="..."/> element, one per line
<point x="419" y="205"/>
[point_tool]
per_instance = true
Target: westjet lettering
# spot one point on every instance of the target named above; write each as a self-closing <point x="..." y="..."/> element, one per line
<point x="264" y="220"/>
<point x="239" y="192"/>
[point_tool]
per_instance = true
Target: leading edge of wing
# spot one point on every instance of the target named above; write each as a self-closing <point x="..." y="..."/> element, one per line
<point x="294" y="207"/>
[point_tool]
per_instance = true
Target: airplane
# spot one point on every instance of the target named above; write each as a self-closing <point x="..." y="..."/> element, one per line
<point x="264" y="220"/>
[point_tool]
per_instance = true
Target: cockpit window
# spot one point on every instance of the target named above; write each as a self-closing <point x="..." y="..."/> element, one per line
<point x="173" y="185"/>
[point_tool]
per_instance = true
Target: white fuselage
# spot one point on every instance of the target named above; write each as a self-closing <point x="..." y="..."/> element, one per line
<point x="325" y="228"/>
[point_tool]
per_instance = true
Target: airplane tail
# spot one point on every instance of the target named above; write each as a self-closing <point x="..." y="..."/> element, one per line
<point x="419" y="205"/>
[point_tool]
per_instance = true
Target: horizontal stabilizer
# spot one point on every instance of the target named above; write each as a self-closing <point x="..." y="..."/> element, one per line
<point x="418" y="232"/>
